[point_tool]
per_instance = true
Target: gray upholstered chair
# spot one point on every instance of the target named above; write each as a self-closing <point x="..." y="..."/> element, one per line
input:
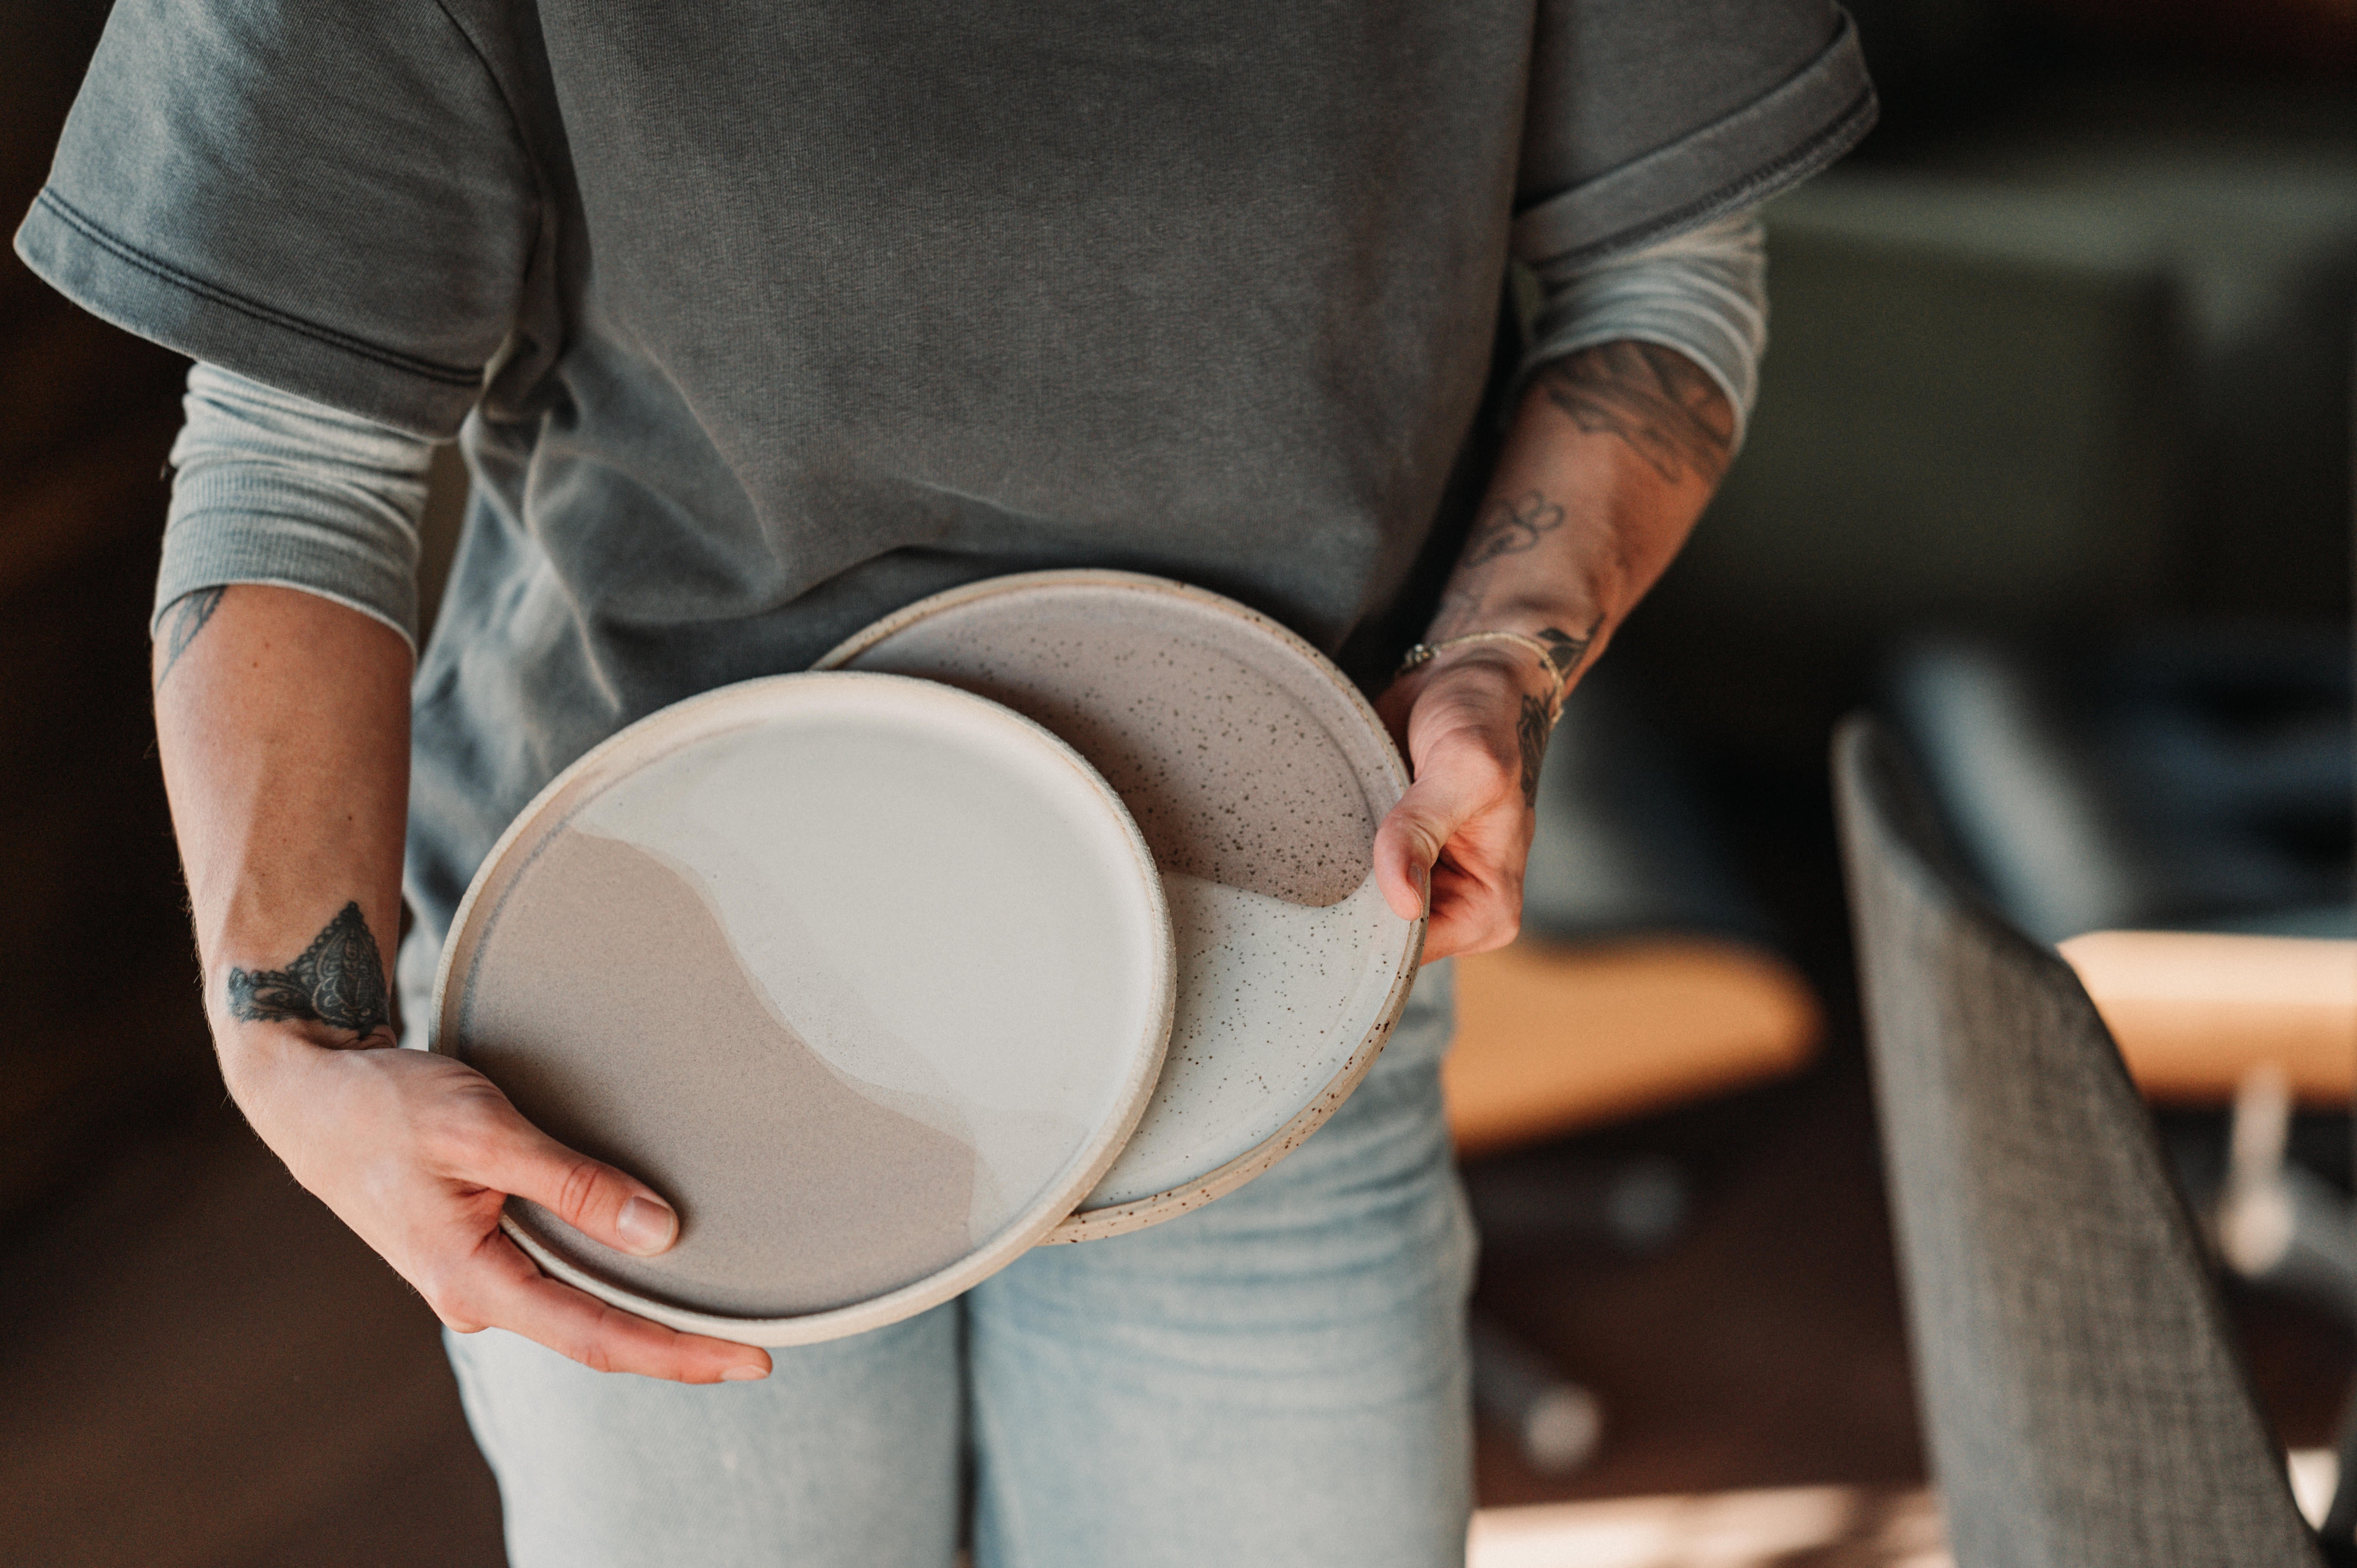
<point x="2080" y="1396"/>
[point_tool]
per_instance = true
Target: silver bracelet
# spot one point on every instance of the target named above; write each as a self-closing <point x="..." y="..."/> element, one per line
<point x="1423" y="653"/>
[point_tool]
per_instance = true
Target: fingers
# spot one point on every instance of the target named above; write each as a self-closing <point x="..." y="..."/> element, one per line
<point x="497" y="1285"/>
<point x="1454" y="847"/>
<point x="1471" y="914"/>
<point x="427" y="1152"/>
<point x="1409" y="842"/>
<point x="1457" y="779"/>
<point x="595" y="1199"/>
<point x="506" y="1290"/>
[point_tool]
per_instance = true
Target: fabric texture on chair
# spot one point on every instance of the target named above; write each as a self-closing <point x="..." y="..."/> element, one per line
<point x="2079" y="1390"/>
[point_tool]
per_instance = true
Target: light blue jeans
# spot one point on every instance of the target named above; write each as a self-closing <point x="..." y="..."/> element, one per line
<point x="1277" y="1379"/>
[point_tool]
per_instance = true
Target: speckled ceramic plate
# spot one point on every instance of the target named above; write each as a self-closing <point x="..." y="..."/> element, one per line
<point x="870" y="977"/>
<point x="1258" y="774"/>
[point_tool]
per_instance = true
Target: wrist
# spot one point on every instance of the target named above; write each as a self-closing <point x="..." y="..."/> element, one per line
<point x="335" y="989"/>
<point x="258" y="1048"/>
<point x="1500" y="666"/>
<point x="257" y="1060"/>
<point x="1547" y="658"/>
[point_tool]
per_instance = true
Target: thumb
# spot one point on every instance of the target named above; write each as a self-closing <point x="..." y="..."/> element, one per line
<point x="1414" y="832"/>
<point x="592" y="1196"/>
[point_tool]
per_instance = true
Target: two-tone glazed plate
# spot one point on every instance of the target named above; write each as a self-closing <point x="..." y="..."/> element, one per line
<point x="872" y="979"/>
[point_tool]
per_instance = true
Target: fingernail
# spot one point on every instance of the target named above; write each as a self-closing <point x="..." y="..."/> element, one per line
<point x="749" y="1373"/>
<point x="646" y="1225"/>
<point x="1423" y="888"/>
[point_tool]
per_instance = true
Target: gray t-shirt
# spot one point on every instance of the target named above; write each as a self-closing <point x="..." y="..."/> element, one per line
<point x="772" y="320"/>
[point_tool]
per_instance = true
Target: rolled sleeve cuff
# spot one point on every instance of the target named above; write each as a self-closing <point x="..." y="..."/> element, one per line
<point x="221" y="542"/>
<point x="270" y="488"/>
<point x="1778" y="141"/>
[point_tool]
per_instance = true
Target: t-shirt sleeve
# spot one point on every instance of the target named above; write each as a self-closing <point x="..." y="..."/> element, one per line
<point x="271" y="488"/>
<point x="1651" y="117"/>
<point x="329" y="196"/>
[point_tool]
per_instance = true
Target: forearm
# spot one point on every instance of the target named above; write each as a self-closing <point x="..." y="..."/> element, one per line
<point x="282" y="719"/>
<point x="1612" y="455"/>
<point x="283" y="724"/>
<point x="282" y="716"/>
<point x="1641" y="371"/>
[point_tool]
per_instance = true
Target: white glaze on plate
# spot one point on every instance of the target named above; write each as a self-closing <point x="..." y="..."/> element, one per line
<point x="871" y="978"/>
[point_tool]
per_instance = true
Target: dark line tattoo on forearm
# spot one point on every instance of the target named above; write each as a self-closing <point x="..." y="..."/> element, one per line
<point x="1661" y="403"/>
<point x="339" y="981"/>
<point x="1531" y="731"/>
<point x="1564" y="650"/>
<point x="182" y="622"/>
<point x="1536" y="721"/>
<point x="1509" y="528"/>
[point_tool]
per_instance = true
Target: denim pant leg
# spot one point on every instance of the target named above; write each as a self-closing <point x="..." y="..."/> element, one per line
<point x="846" y="1457"/>
<point x="1277" y="1379"/>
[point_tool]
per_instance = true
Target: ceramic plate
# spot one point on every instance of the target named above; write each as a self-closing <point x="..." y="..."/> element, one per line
<point x="1257" y="774"/>
<point x="870" y="977"/>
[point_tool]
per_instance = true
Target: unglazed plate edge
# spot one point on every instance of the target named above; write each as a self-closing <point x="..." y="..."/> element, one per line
<point x="1141" y="1213"/>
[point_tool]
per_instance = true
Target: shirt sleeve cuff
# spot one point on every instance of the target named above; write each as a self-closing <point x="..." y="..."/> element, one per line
<point x="270" y="488"/>
<point x="1703" y="295"/>
<point x="1815" y="116"/>
<point x="216" y="551"/>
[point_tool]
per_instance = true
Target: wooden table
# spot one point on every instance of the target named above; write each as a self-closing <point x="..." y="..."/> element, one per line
<point x="2193" y="1013"/>
<point x="1554" y="1037"/>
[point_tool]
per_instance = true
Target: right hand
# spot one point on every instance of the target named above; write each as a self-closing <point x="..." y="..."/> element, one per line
<point x="1453" y="847"/>
<point x="418" y="1154"/>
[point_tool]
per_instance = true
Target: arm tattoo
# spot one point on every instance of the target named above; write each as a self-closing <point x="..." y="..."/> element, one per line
<point x="1509" y="528"/>
<point x="1531" y="731"/>
<point x="1564" y="652"/>
<point x="339" y="981"/>
<point x="1503" y="528"/>
<point x="1655" y="399"/>
<point x="1537" y="722"/>
<point x="182" y="622"/>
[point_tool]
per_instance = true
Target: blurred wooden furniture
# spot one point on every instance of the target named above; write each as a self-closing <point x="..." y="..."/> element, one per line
<point x="2194" y="1013"/>
<point x="1646" y="974"/>
<point x="1644" y="978"/>
<point x="1554" y="1037"/>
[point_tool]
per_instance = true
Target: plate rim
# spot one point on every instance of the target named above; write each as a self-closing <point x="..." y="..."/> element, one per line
<point x="1137" y="1214"/>
<point x="1012" y="1242"/>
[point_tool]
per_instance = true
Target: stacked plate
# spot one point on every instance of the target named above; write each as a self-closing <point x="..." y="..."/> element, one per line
<point x="1041" y="911"/>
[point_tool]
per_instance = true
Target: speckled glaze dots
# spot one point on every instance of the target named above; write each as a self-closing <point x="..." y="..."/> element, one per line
<point x="1258" y="775"/>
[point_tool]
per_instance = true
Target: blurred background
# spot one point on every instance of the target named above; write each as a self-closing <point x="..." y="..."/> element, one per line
<point x="2051" y="467"/>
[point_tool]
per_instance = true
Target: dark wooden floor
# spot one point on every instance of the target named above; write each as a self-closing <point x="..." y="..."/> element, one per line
<point x="1764" y="1347"/>
<point x="205" y="1369"/>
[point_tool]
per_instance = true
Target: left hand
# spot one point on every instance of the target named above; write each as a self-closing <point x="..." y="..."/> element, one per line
<point x="1474" y="726"/>
<point x="1613" y="453"/>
